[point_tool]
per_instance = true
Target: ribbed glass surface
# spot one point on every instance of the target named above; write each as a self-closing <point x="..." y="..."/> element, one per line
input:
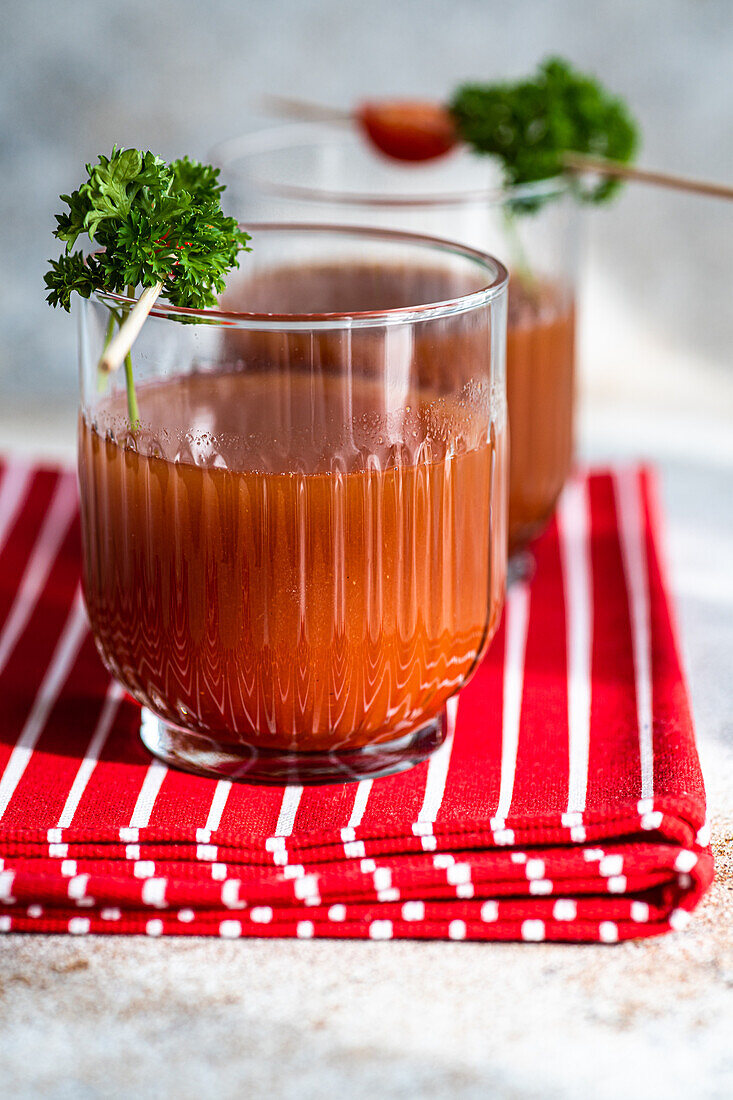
<point x="303" y="544"/>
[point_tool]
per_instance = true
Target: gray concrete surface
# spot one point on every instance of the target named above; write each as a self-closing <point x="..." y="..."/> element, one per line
<point x="105" y="1018"/>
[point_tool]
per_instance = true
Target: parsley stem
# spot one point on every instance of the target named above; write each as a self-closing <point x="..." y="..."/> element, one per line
<point x="101" y="377"/>
<point x="519" y="262"/>
<point x="132" y="408"/>
<point x="110" y="330"/>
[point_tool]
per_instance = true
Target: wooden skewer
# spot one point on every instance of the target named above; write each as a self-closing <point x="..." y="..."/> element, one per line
<point x="129" y="330"/>
<point x="574" y="162"/>
<point x="303" y="109"/>
<point x="578" y="162"/>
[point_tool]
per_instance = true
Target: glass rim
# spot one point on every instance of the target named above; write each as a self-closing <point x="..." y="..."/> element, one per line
<point x="267" y="139"/>
<point x="298" y="322"/>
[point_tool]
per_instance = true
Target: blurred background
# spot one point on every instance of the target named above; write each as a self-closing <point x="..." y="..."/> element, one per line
<point x="178" y="76"/>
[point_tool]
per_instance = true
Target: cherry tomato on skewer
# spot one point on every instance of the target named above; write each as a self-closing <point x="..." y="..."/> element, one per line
<point x="408" y="129"/>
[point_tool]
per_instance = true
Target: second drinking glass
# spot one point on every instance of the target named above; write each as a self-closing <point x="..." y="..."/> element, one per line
<point x="328" y="173"/>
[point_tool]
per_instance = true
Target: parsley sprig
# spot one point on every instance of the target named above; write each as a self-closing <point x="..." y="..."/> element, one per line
<point x="155" y="225"/>
<point x="532" y="124"/>
<point x="153" y="222"/>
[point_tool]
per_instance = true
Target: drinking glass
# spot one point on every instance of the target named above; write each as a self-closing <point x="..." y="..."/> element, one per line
<point x="298" y="554"/>
<point x="326" y="173"/>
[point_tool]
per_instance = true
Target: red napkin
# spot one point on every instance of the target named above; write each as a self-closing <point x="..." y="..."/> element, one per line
<point x="568" y="803"/>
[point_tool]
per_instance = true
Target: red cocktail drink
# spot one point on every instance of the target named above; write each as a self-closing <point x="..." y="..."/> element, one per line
<point x="299" y="555"/>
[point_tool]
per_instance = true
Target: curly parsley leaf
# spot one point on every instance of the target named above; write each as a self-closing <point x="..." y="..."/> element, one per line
<point x="199" y="180"/>
<point x="531" y="124"/>
<point x="153" y="222"/>
<point x="68" y="275"/>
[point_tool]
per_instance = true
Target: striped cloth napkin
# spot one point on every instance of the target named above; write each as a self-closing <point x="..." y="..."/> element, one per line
<point x="567" y="804"/>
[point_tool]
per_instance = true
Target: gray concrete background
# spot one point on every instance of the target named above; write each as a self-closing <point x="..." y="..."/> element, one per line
<point x="179" y="75"/>
<point x="100" y="1018"/>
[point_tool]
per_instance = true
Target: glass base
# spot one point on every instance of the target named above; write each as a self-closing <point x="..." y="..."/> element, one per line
<point x="202" y="755"/>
